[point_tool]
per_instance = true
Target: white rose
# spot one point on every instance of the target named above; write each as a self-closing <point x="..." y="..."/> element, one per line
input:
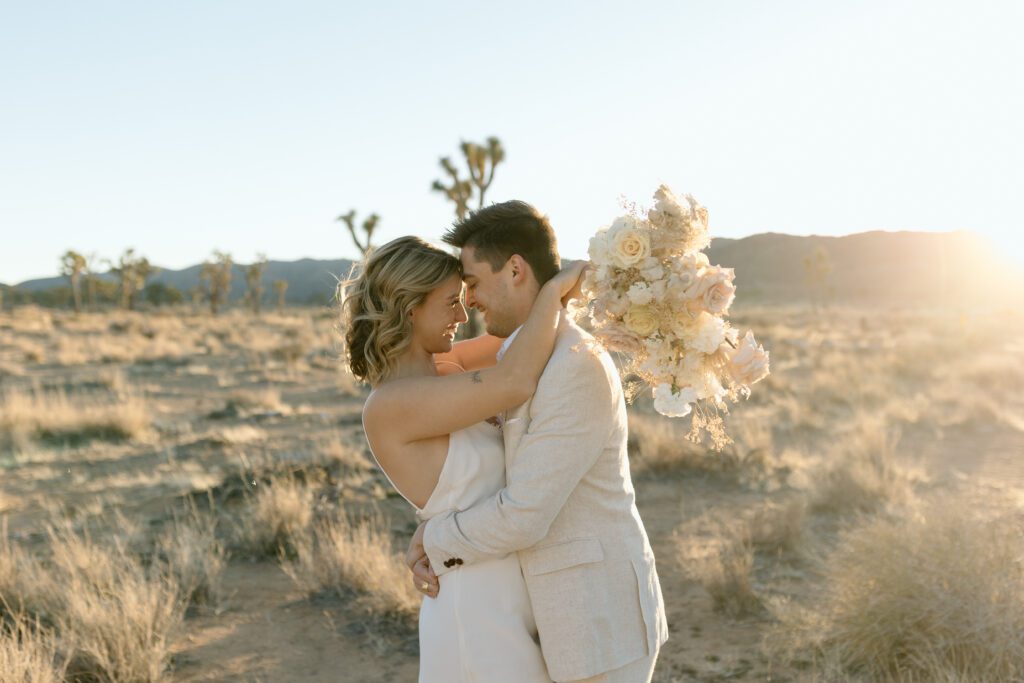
<point x="628" y="243"/>
<point x="640" y="294"/>
<point x="641" y="320"/>
<point x="672" y="404"/>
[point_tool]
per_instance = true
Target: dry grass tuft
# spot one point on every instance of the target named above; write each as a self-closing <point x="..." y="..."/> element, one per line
<point x="936" y="596"/>
<point x="25" y="587"/>
<point x="343" y="556"/>
<point x="779" y="527"/>
<point x="656" y="445"/>
<point x="723" y="566"/>
<point x="348" y="456"/>
<point x="191" y="553"/>
<point x="116" y="618"/>
<point x="28" y="654"/>
<point x="238" y="435"/>
<point x="241" y="404"/>
<point x="277" y="519"/>
<point x="63" y="418"/>
<point x="863" y="474"/>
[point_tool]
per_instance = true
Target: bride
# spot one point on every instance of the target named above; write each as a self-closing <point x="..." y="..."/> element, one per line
<point x="431" y="426"/>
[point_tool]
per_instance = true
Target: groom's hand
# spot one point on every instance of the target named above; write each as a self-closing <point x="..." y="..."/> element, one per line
<point x="423" y="576"/>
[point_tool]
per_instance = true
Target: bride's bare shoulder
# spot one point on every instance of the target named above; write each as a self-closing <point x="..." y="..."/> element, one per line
<point x="382" y="402"/>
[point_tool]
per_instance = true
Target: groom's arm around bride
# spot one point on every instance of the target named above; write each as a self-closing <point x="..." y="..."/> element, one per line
<point x="568" y="509"/>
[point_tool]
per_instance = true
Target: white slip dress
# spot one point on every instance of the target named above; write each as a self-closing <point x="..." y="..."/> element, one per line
<point x="480" y="627"/>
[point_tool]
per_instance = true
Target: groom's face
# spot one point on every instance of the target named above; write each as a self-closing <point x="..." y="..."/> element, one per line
<point x="489" y="292"/>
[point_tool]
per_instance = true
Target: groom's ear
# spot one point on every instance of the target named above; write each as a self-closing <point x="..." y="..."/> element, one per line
<point x="519" y="269"/>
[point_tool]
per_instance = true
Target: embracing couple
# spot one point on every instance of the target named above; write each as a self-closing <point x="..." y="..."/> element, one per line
<point x="531" y="554"/>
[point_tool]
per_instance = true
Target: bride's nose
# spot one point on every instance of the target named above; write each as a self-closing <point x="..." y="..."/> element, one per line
<point x="460" y="314"/>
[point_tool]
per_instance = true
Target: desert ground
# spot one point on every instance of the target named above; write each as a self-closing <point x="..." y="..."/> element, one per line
<point x="190" y="498"/>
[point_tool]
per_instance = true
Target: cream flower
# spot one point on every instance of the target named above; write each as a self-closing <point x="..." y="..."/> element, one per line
<point x="640" y="294"/>
<point x="658" y="289"/>
<point x="667" y="208"/>
<point x="627" y="242"/>
<point x="714" y="289"/>
<point x="641" y="320"/>
<point x="598" y="250"/>
<point x="610" y="305"/>
<point x="651" y="269"/>
<point x="709" y="333"/>
<point x="682" y="323"/>
<point x="749" y="362"/>
<point x="672" y="404"/>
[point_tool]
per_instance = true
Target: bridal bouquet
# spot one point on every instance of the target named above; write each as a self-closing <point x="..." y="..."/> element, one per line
<point x="656" y="298"/>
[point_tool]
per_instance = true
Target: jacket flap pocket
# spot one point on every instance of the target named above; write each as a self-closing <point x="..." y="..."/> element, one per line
<point x="565" y="555"/>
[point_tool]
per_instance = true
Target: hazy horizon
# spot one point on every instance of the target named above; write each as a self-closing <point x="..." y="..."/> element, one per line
<point x="270" y="257"/>
<point x="250" y="127"/>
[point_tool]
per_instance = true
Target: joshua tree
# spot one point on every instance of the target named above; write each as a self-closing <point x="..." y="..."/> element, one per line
<point x="481" y="160"/>
<point x="817" y="267"/>
<point x="254" y="282"/>
<point x="72" y="265"/>
<point x="92" y="262"/>
<point x="197" y="293"/>
<point x="281" y="287"/>
<point x="216" y="275"/>
<point x="132" y="272"/>
<point x="369" y="225"/>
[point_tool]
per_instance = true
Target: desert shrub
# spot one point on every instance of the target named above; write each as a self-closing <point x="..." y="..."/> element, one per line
<point x="723" y="566"/>
<point x="862" y="473"/>
<point x="63" y="418"/>
<point x="657" y="445"/>
<point x="25" y="588"/>
<point x="114" y="618"/>
<point x="937" y="595"/>
<point x="252" y="402"/>
<point x="345" y="556"/>
<point x="276" y="519"/>
<point x="190" y="552"/>
<point x="29" y="654"/>
<point x="778" y="527"/>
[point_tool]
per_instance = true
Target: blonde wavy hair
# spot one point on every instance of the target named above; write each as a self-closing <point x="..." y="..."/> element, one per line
<point x="378" y="296"/>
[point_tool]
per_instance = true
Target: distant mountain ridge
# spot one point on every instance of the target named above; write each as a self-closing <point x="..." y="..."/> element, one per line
<point x="901" y="267"/>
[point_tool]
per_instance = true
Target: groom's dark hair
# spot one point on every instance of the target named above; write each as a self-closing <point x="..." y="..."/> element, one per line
<point x="501" y="230"/>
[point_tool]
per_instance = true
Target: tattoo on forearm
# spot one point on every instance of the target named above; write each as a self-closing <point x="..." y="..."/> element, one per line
<point x="475" y="376"/>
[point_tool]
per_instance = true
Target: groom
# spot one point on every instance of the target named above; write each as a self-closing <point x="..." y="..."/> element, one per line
<point x="568" y="508"/>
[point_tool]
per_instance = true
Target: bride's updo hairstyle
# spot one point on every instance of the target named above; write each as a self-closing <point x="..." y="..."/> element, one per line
<point x="379" y="295"/>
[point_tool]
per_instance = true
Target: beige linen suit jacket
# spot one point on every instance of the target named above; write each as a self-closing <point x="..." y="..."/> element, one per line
<point x="568" y="509"/>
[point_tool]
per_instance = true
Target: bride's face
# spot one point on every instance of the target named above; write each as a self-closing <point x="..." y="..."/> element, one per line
<point x="437" y="319"/>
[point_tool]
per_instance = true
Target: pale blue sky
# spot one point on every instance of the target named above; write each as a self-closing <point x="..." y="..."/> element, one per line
<point x="249" y="126"/>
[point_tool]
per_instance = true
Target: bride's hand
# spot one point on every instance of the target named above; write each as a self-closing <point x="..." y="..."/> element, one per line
<point x="568" y="280"/>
